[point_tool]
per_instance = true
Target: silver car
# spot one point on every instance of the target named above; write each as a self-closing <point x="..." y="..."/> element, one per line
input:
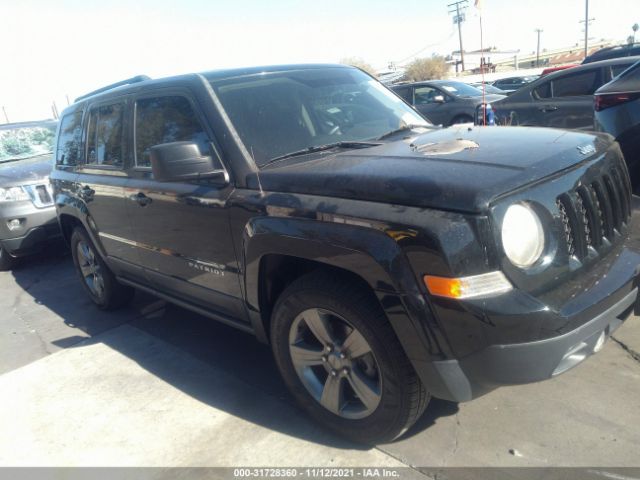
<point x="27" y="214"/>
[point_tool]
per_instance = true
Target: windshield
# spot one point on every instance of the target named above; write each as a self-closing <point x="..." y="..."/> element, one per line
<point x="283" y="112"/>
<point x="458" y="89"/>
<point x="26" y="141"/>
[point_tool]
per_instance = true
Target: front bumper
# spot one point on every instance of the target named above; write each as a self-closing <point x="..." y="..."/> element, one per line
<point x="479" y="373"/>
<point x="517" y="338"/>
<point x="38" y="226"/>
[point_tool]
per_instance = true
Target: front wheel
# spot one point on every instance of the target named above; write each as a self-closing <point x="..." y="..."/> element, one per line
<point x="97" y="278"/>
<point x="342" y="362"/>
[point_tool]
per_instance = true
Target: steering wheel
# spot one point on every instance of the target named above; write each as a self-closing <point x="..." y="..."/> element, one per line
<point x="330" y="121"/>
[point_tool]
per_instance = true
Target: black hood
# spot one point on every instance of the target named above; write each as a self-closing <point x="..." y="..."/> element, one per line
<point x="456" y="168"/>
<point x="29" y="170"/>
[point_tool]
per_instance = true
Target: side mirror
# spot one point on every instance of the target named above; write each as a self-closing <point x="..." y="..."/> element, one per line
<point x="438" y="99"/>
<point x="181" y="162"/>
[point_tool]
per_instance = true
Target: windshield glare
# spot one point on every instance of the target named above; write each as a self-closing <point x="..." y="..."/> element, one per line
<point x="283" y="112"/>
<point x="23" y="142"/>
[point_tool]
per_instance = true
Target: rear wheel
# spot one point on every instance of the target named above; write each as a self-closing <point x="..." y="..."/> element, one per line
<point x="97" y="279"/>
<point x="7" y="262"/>
<point x="342" y="361"/>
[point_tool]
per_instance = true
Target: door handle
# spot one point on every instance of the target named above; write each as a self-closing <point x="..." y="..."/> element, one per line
<point x="141" y="199"/>
<point x="86" y="193"/>
<point x="549" y="108"/>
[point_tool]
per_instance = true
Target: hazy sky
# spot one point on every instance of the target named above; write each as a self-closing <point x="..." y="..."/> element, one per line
<point x="67" y="47"/>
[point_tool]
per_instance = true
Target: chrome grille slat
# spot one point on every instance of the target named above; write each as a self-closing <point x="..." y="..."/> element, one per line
<point x="616" y="205"/>
<point x="605" y="208"/>
<point x="594" y="214"/>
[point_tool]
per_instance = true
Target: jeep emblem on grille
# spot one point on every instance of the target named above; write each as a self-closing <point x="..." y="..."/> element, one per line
<point x="587" y="149"/>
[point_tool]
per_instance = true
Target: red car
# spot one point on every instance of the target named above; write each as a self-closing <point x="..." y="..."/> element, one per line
<point x="555" y="69"/>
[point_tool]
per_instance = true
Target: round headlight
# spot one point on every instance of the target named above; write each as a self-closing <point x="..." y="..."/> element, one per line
<point x="522" y="235"/>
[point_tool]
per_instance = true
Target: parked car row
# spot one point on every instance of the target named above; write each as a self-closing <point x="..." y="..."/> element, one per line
<point x="444" y="102"/>
<point x="562" y="99"/>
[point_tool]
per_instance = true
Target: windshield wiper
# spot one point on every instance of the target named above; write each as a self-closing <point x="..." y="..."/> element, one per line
<point x="320" y="148"/>
<point x="401" y="129"/>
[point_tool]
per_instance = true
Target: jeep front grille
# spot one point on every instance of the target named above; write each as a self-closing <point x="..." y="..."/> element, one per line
<point x="595" y="212"/>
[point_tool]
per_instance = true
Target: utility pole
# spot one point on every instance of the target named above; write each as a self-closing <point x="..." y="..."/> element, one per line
<point x="539" y="30"/>
<point x="459" y="18"/>
<point x="586" y="22"/>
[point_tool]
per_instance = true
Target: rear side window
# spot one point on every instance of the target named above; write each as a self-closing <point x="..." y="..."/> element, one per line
<point x="583" y="83"/>
<point x="69" y="139"/>
<point x="104" y="138"/>
<point x="165" y="120"/>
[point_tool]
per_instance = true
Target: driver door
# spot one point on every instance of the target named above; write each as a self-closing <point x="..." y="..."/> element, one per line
<point x="181" y="229"/>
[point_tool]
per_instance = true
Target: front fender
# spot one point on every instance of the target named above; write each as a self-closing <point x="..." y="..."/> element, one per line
<point x="369" y="253"/>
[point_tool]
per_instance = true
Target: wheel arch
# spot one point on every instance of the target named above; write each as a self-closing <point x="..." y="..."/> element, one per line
<point x="276" y="251"/>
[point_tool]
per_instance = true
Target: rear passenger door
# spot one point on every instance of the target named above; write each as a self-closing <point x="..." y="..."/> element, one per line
<point x="571" y="102"/>
<point x="181" y="229"/>
<point x="101" y="178"/>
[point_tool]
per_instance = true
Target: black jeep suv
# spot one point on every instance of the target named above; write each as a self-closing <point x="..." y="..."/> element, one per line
<point x="384" y="259"/>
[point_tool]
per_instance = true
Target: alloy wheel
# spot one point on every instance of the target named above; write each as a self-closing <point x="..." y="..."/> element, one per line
<point x="90" y="269"/>
<point x="335" y="363"/>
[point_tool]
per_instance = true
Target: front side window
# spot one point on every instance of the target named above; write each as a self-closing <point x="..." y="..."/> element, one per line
<point x="26" y="141"/>
<point x="583" y="83"/>
<point x="404" y="92"/>
<point x="283" y="112"/>
<point x="104" y="136"/>
<point x="69" y="139"/>
<point x="426" y="95"/>
<point x="164" y="120"/>
<point x="542" y="91"/>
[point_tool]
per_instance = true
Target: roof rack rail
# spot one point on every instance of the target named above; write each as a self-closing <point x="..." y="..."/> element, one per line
<point x="128" y="81"/>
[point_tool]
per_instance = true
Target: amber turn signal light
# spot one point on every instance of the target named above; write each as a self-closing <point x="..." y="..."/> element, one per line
<point x="486" y="284"/>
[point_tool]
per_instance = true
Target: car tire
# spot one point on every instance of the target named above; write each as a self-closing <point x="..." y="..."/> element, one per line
<point x="7" y="262"/>
<point x="97" y="279"/>
<point x="391" y="398"/>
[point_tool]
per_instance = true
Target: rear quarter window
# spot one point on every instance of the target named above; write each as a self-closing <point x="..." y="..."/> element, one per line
<point x="105" y="136"/>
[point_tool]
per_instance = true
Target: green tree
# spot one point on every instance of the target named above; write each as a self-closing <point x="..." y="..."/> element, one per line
<point x="431" y="68"/>
<point x="359" y="63"/>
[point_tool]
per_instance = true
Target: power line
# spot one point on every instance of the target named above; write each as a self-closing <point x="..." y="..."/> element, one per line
<point x="453" y="31"/>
